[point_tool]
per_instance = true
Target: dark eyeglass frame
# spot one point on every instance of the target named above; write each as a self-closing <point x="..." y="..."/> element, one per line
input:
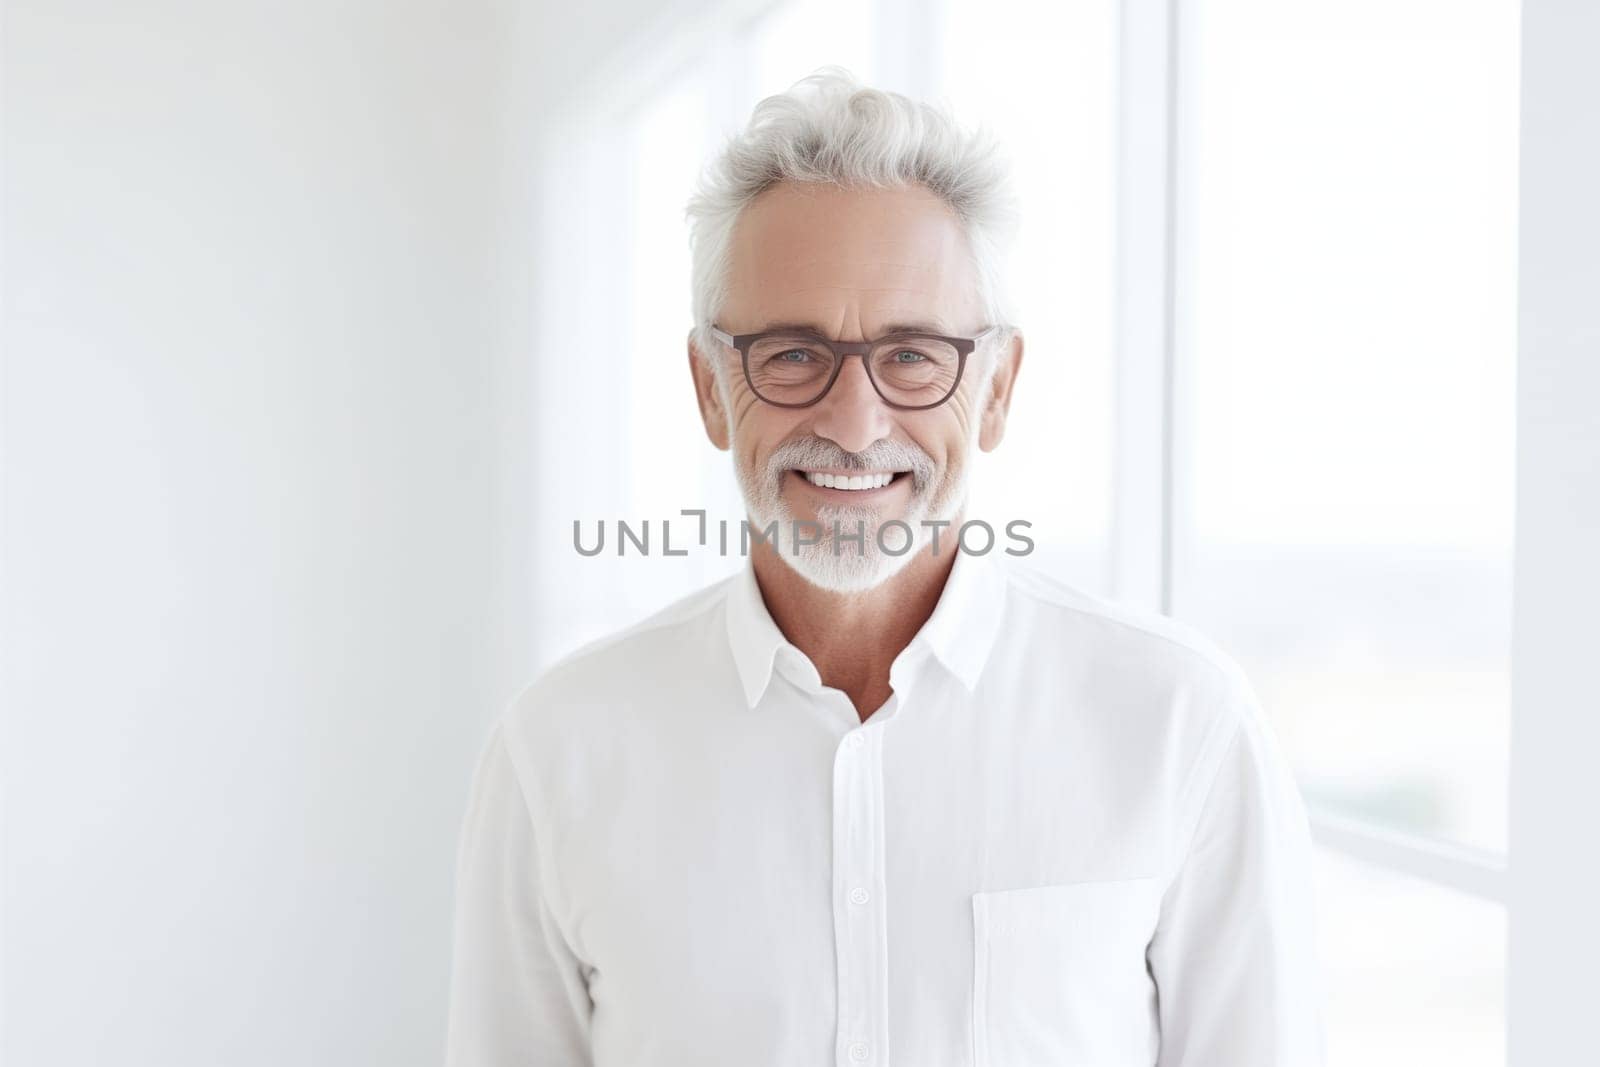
<point x="843" y="350"/>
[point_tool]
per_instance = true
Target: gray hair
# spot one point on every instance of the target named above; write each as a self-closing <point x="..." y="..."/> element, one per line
<point x="829" y="128"/>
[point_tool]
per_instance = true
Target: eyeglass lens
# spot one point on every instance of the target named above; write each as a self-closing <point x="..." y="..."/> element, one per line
<point x="912" y="371"/>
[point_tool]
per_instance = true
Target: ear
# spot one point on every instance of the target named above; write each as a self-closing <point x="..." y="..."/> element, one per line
<point x="708" y="394"/>
<point x="996" y="400"/>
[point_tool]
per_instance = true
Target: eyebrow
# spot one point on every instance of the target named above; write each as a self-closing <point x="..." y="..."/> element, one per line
<point x="893" y="327"/>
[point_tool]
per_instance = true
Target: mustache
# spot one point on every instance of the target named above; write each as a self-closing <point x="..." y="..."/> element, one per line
<point x="880" y="455"/>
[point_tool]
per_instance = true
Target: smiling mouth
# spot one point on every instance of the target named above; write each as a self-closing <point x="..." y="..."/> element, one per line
<point x="851" y="482"/>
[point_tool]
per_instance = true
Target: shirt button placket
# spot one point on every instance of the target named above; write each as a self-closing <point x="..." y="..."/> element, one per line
<point x="860" y="928"/>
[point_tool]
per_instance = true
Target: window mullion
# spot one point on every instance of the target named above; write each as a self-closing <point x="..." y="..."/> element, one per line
<point x="1142" y="512"/>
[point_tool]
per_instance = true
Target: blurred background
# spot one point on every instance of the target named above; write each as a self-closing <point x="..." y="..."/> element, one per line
<point x="325" y="323"/>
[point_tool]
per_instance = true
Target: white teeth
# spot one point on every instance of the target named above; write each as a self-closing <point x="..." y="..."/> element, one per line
<point x="841" y="481"/>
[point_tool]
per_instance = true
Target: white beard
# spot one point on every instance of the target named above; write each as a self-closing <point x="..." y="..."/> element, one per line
<point x="844" y="565"/>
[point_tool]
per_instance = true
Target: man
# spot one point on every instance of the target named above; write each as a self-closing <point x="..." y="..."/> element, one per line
<point x="876" y="799"/>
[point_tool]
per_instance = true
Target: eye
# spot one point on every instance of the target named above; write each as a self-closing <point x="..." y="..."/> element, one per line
<point x="915" y="356"/>
<point x="793" y="355"/>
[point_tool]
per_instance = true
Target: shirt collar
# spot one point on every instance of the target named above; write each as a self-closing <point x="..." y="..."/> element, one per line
<point x="960" y="633"/>
<point x="964" y="624"/>
<point x="753" y="636"/>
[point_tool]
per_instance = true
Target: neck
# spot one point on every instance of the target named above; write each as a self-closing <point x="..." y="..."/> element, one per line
<point x="853" y="638"/>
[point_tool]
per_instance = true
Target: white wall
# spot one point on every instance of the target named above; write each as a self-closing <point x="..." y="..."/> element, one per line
<point x="270" y="468"/>
<point x="1555" y="867"/>
<point x="261" y="500"/>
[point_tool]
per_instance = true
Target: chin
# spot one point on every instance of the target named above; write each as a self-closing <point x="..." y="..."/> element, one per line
<point x="846" y="572"/>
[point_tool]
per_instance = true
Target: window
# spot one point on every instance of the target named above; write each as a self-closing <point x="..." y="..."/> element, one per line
<point x="1344" y="451"/>
<point x="1347" y="339"/>
<point x="1022" y="67"/>
<point x="670" y="465"/>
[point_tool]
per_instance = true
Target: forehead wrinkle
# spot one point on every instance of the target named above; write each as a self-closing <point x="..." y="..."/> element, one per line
<point x="857" y="289"/>
<point x="828" y="262"/>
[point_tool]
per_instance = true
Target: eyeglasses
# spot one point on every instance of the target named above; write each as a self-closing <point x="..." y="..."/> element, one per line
<point x="796" y="368"/>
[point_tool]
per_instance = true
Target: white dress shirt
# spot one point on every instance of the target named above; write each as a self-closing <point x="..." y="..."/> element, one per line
<point x="1067" y="839"/>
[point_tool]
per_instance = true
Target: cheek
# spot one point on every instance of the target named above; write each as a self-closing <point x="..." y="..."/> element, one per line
<point x="963" y="416"/>
<point x="744" y="410"/>
<point x="758" y="429"/>
<point x="943" y="434"/>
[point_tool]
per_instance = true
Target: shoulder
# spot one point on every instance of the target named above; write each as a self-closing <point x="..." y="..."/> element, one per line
<point x="1187" y="699"/>
<point x="1115" y="634"/>
<point x="1161" y="676"/>
<point x="637" y="666"/>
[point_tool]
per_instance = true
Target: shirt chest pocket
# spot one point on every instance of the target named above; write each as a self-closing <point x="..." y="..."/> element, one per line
<point x="1059" y="975"/>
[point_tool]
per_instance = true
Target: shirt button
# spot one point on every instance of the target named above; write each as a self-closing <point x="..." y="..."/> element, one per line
<point x="859" y="895"/>
<point x="857" y="740"/>
<point x="858" y="1051"/>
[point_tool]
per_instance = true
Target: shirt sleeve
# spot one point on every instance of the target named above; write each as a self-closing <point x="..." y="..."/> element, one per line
<point x="517" y="992"/>
<point x="1234" y="955"/>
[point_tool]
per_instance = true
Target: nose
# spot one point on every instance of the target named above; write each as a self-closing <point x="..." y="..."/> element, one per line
<point x="852" y="415"/>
